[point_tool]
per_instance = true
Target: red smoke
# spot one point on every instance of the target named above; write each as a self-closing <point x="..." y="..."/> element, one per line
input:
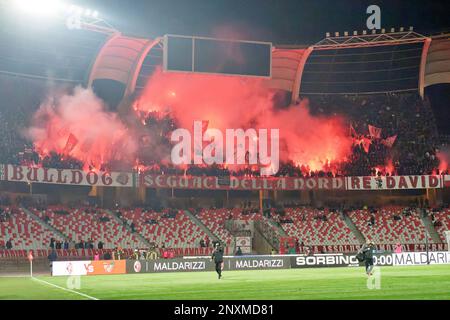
<point x="444" y="159"/>
<point x="78" y="126"/>
<point x="229" y="102"/>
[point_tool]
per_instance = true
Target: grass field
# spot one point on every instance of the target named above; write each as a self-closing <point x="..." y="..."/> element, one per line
<point x="418" y="282"/>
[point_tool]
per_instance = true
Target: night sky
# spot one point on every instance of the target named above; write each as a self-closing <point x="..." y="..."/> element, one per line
<point x="278" y="21"/>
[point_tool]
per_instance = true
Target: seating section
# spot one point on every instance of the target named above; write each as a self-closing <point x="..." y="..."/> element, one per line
<point x="307" y="227"/>
<point x="214" y="220"/>
<point x="24" y="232"/>
<point x="443" y="216"/>
<point x="177" y="232"/>
<point x="174" y="229"/>
<point x="87" y="223"/>
<point x="408" y="229"/>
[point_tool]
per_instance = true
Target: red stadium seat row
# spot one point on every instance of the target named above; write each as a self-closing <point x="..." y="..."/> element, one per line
<point x="312" y="231"/>
<point x="386" y="230"/>
<point x="177" y="232"/>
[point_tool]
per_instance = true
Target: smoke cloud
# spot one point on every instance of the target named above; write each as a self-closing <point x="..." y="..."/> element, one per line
<point x="77" y="125"/>
<point x="228" y="102"/>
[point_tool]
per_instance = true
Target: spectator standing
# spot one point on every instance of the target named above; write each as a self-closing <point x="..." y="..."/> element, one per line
<point x="52" y="257"/>
<point x="9" y="244"/>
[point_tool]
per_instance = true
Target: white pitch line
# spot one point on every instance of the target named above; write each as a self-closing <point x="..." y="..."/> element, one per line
<point x="65" y="289"/>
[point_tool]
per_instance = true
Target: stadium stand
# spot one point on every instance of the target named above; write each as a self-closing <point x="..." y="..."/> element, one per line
<point x="405" y="115"/>
<point x="88" y="223"/>
<point x="390" y="225"/>
<point x="171" y="228"/>
<point x="175" y="230"/>
<point x="215" y="220"/>
<point x="441" y="221"/>
<point x="316" y="227"/>
<point x="23" y="231"/>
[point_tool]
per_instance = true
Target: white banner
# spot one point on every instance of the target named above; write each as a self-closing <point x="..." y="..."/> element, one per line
<point x="66" y="176"/>
<point x="394" y="182"/>
<point x="421" y="258"/>
<point x="70" y="268"/>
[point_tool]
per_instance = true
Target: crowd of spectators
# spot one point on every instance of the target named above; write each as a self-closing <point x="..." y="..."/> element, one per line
<point x="404" y="115"/>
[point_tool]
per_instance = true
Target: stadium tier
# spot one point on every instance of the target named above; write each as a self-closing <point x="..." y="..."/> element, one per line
<point x="216" y="219"/>
<point x="175" y="229"/>
<point x="316" y="227"/>
<point x="390" y="225"/>
<point x="441" y="221"/>
<point x="88" y="223"/>
<point x="171" y="228"/>
<point x="22" y="230"/>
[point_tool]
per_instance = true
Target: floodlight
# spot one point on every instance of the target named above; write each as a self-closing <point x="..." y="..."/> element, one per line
<point x="39" y="7"/>
<point x="87" y="12"/>
<point x="95" y="14"/>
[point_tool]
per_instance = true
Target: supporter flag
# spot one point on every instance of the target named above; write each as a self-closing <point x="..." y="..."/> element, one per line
<point x="389" y="142"/>
<point x="353" y="133"/>
<point x="366" y="144"/>
<point x="72" y="141"/>
<point x="374" y="132"/>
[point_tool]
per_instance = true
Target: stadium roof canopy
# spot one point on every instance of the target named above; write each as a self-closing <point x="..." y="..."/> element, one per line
<point x="437" y="68"/>
<point x="364" y="64"/>
<point x="51" y="54"/>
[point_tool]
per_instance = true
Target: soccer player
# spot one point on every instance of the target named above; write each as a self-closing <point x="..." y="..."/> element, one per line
<point x="368" y="250"/>
<point x="217" y="257"/>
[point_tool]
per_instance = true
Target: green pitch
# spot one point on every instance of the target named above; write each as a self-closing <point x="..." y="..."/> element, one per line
<point x="418" y="282"/>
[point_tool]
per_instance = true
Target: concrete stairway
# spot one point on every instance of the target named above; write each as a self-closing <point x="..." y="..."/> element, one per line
<point x="202" y="226"/>
<point x="279" y="228"/>
<point x="354" y="229"/>
<point x="128" y="228"/>
<point x="45" y="224"/>
<point x="429" y="227"/>
<point x="270" y="232"/>
<point x="260" y="244"/>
